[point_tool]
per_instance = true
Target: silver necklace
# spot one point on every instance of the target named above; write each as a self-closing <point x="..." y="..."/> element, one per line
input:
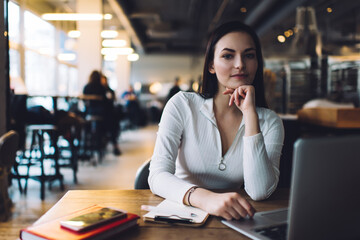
<point x="222" y="165"/>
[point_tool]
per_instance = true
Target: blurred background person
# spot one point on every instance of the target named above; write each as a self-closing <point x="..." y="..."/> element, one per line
<point x="190" y="88"/>
<point x="99" y="104"/>
<point x="133" y="110"/>
<point x="112" y="116"/>
<point x="129" y="95"/>
<point x="175" y="89"/>
<point x="97" y="90"/>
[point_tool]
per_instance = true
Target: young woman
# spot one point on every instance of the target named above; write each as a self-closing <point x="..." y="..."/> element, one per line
<point x="94" y="87"/>
<point x="223" y="137"/>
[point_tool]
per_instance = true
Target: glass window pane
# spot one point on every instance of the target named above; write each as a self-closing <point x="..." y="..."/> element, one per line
<point x="109" y="70"/>
<point x="46" y="102"/>
<point x="39" y="34"/>
<point x="39" y="74"/>
<point x="14" y="56"/>
<point x="63" y="80"/>
<point x="67" y="46"/>
<point x="16" y="82"/>
<point x="14" y="22"/>
<point x="74" y="89"/>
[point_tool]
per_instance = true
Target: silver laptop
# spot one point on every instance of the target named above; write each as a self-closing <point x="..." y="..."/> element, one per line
<point x="324" y="197"/>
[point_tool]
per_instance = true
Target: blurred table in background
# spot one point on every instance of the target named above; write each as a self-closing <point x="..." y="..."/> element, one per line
<point x="341" y="118"/>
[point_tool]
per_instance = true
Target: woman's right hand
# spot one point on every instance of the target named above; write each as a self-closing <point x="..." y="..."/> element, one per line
<point x="229" y="205"/>
<point x="243" y="97"/>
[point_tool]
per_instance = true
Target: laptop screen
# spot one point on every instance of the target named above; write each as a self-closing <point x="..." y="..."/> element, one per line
<point x="325" y="192"/>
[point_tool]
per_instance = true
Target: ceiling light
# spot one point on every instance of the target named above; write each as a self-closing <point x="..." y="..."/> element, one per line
<point x="108" y="16"/>
<point x="70" y="44"/>
<point x="133" y="57"/>
<point x="74" y="34"/>
<point x="45" y="51"/>
<point x="110" y="57"/>
<point x="109" y="34"/>
<point x="66" y="56"/>
<point x="137" y="86"/>
<point x="329" y="10"/>
<point x="114" y="43"/>
<point x="195" y="86"/>
<point x="117" y="51"/>
<point x="281" y="38"/>
<point x="155" y="87"/>
<point x="72" y="16"/>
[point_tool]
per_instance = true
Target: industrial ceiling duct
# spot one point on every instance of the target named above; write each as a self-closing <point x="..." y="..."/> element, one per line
<point x="307" y="39"/>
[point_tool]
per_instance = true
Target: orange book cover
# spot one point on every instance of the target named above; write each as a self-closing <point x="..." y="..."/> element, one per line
<point x="53" y="229"/>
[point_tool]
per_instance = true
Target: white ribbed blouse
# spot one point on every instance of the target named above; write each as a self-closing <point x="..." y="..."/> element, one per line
<point x="188" y="151"/>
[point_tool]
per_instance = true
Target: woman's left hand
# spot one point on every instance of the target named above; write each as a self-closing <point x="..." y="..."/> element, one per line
<point x="243" y="97"/>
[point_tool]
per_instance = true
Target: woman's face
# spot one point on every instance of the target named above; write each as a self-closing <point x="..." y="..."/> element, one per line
<point x="235" y="62"/>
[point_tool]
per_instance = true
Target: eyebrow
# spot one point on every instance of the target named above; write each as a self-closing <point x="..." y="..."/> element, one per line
<point x="232" y="50"/>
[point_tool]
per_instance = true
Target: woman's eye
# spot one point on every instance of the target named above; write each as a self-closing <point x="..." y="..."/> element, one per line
<point x="250" y="55"/>
<point x="227" y="56"/>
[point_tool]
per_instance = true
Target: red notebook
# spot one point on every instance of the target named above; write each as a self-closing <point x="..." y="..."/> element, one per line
<point x="53" y="229"/>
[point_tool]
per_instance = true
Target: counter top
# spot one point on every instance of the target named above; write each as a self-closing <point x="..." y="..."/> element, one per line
<point x="345" y="118"/>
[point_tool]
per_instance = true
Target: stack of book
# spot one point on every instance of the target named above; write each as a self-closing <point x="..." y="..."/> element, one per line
<point x="95" y="222"/>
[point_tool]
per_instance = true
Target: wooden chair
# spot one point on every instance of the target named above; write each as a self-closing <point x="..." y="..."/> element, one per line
<point x="142" y="174"/>
<point x="9" y="143"/>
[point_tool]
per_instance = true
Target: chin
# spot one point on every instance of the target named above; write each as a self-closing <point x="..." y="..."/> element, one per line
<point x="233" y="86"/>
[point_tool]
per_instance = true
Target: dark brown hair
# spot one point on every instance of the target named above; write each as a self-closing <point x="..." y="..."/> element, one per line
<point x="210" y="86"/>
<point x="95" y="77"/>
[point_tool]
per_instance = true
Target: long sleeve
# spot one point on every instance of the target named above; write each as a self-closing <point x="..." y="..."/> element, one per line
<point x="261" y="159"/>
<point x="162" y="180"/>
<point x="188" y="152"/>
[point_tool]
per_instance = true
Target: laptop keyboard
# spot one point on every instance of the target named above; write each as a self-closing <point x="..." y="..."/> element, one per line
<point x="277" y="232"/>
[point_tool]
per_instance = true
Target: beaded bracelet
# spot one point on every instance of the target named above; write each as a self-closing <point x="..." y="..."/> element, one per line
<point x="190" y="192"/>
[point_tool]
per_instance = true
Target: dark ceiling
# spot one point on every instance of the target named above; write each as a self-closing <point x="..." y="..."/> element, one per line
<point x="182" y="26"/>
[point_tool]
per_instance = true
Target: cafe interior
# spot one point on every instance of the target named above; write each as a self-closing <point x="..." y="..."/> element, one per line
<point x="311" y="52"/>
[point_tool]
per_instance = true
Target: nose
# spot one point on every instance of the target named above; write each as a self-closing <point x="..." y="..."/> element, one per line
<point x="239" y="62"/>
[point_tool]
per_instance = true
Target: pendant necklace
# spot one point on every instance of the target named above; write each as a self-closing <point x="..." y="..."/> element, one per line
<point x="222" y="165"/>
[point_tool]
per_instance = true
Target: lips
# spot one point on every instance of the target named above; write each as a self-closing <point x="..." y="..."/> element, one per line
<point x="239" y="75"/>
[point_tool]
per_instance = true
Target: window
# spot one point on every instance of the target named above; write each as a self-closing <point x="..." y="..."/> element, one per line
<point x="62" y="85"/>
<point x="39" y="74"/>
<point x="36" y="48"/>
<point x="14" y="22"/>
<point x="74" y="88"/>
<point x="14" y="63"/>
<point x="39" y="34"/>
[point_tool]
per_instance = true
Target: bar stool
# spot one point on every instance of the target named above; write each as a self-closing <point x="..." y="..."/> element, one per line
<point x="36" y="155"/>
<point x="93" y="143"/>
<point x="69" y="133"/>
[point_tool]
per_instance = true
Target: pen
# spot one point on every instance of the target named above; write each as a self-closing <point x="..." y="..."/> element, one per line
<point x="173" y="220"/>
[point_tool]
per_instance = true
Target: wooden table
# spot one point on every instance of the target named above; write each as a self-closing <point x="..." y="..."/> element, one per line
<point x="340" y="118"/>
<point x="131" y="200"/>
